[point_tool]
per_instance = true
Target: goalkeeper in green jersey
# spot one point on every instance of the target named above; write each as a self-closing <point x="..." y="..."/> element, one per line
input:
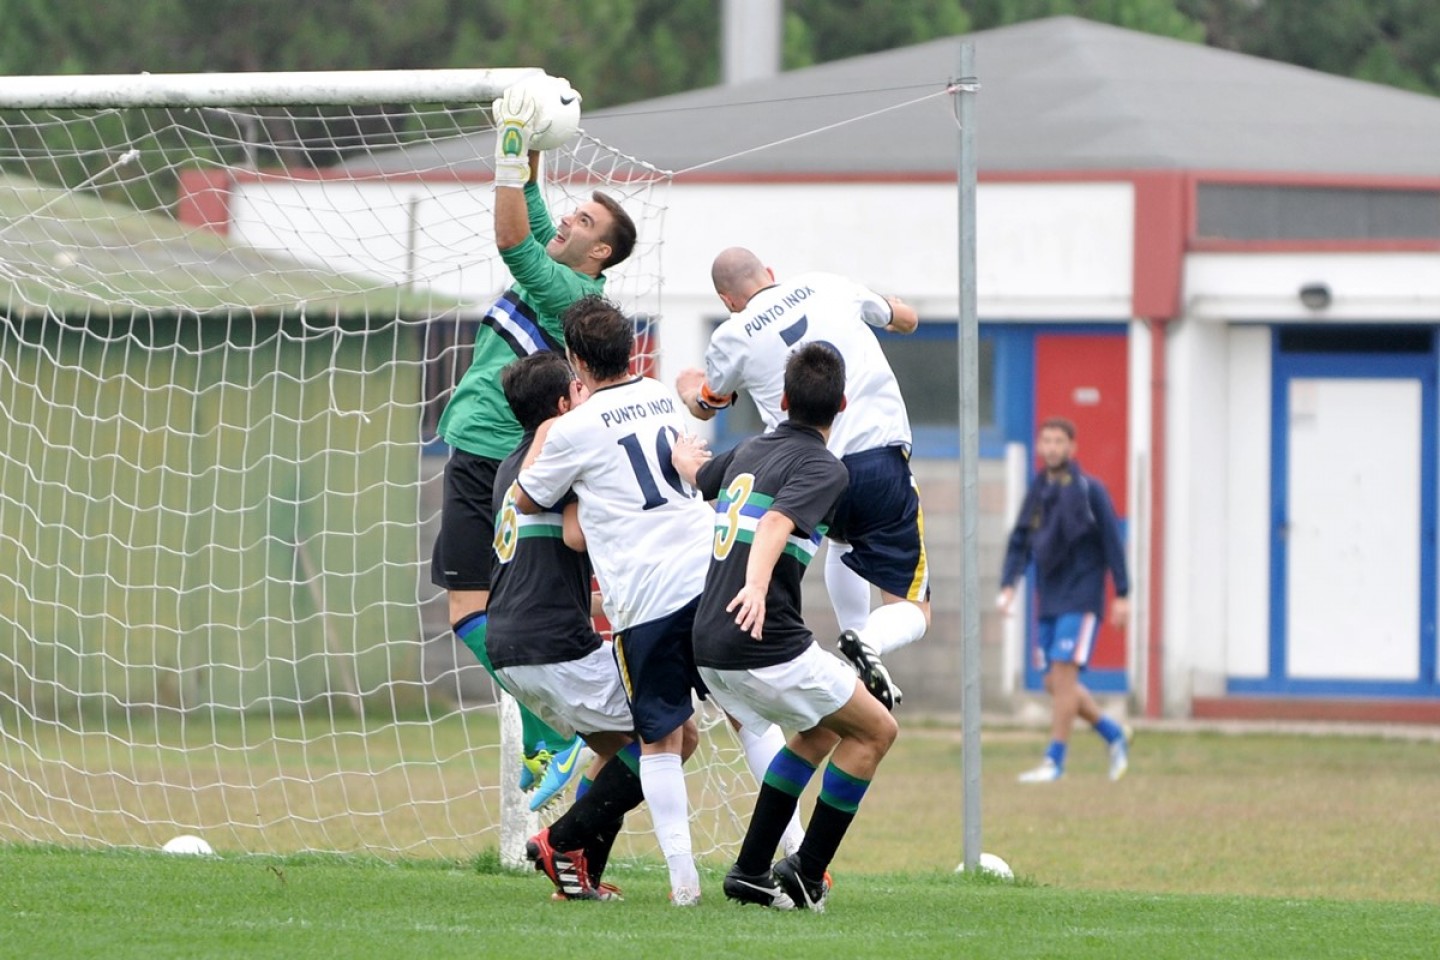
<point x="552" y="266"/>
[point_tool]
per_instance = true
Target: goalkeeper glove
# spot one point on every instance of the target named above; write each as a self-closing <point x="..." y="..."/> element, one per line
<point x="514" y="114"/>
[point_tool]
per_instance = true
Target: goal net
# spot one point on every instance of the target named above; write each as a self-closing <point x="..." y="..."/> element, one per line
<point x="233" y="309"/>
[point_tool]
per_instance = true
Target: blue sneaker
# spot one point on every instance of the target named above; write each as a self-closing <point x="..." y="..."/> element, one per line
<point x="562" y="768"/>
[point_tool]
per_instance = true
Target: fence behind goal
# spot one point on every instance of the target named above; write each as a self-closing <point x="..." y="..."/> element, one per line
<point x="233" y="309"/>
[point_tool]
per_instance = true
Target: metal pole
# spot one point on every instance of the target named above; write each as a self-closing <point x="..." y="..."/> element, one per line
<point x="969" y="336"/>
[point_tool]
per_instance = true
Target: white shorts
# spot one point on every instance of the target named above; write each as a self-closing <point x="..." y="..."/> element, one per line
<point x="576" y="696"/>
<point x="795" y="695"/>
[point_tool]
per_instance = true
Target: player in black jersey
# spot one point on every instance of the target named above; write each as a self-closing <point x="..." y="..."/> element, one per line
<point x="774" y="495"/>
<point x="544" y="648"/>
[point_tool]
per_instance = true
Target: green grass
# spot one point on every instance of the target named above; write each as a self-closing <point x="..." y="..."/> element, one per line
<point x="117" y="905"/>
<point x="1216" y="845"/>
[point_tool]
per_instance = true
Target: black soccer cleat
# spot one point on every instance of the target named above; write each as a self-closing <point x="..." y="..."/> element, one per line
<point x="763" y="889"/>
<point x="872" y="672"/>
<point x="801" y="890"/>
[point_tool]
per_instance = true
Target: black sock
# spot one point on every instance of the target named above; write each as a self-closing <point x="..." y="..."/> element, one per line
<point x="773" y="809"/>
<point x="616" y="792"/>
<point x="840" y="796"/>
<point x="597" y="851"/>
<point x="823" y="834"/>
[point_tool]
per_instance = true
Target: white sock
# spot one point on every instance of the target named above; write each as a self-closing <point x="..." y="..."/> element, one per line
<point x="760" y="749"/>
<point x="849" y="592"/>
<point x="892" y="626"/>
<point x="663" y="782"/>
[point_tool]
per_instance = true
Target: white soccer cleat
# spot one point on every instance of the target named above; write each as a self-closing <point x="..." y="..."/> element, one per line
<point x="1120" y="754"/>
<point x="1047" y="772"/>
<point x="685" y="897"/>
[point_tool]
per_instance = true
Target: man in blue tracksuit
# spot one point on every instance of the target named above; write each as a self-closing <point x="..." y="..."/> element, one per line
<point x="1067" y="525"/>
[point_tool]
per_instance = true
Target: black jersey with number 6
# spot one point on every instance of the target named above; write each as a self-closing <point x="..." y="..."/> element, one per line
<point x="540" y="588"/>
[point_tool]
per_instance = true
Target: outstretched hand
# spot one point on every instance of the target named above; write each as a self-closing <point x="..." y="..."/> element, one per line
<point x="514" y="115"/>
<point x="688" y="453"/>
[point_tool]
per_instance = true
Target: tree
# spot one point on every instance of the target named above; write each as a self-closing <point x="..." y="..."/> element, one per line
<point x="817" y="31"/>
<point x="1150" y="16"/>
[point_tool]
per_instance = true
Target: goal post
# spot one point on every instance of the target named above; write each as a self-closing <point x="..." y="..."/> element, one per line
<point x="313" y="88"/>
<point x="232" y="307"/>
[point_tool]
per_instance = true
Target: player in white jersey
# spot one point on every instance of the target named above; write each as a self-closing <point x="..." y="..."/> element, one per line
<point x="878" y="534"/>
<point x="649" y="539"/>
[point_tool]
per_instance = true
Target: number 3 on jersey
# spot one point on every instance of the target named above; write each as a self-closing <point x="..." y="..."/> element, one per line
<point x="727" y="525"/>
<point x="645" y="471"/>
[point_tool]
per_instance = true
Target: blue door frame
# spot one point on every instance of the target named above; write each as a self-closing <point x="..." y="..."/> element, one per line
<point x="1404" y="366"/>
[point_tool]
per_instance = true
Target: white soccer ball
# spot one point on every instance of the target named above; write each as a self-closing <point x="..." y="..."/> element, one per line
<point x="990" y="863"/>
<point x="557" y="111"/>
<point x="188" y="844"/>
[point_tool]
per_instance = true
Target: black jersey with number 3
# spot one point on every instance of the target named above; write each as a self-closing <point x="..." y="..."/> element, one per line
<point x="540" y="588"/>
<point x="788" y="471"/>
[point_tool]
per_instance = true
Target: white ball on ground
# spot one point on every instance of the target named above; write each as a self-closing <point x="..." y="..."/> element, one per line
<point x="990" y="863"/>
<point x="557" y="111"/>
<point x="188" y="844"/>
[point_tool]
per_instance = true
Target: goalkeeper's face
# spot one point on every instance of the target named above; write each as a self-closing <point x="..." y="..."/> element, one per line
<point x="580" y="240"/>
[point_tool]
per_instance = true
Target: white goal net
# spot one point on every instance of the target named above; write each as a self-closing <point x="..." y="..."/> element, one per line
<point x="233" y="308"/>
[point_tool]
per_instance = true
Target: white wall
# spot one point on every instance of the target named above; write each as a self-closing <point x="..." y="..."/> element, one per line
<point x="1196" y="425"/>
<point x="1044" y="250"/>
<point x="1138" y="506"/>
<point x="1265" y="286"/>
<point x="1247" y="524"/>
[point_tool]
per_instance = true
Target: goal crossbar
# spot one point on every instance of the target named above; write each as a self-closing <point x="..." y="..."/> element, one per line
<point x="307" y="88"/>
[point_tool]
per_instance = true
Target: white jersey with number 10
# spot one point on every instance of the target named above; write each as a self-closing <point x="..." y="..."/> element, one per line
<point x="749" y="350"/>
<point x="647" y="530"/>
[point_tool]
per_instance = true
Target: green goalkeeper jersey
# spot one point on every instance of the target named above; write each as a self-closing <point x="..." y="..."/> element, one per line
<point x="525" y="320"/>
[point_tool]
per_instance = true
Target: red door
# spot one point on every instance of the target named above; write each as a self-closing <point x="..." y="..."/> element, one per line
<point x="1084" y="378"/>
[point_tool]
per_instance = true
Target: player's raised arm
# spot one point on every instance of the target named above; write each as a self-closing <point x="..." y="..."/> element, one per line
<point x="903" y="318"/>
<point x="515" y="165"/>
<point x="697" y="392"/>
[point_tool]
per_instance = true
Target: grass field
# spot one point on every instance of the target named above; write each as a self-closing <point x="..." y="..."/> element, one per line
<point x="1215" y="845"/>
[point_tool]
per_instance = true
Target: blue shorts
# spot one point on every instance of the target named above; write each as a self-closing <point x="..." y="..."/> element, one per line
<point x="657" y="667"/>
<point x="1068" y="638"/>
<point x="880" y="517"/>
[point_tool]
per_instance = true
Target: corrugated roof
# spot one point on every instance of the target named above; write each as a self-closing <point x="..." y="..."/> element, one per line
<point x="1057" y="94"/>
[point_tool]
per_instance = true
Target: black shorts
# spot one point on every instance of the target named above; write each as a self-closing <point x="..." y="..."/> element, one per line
<point x="465" y="548"/>
<point x="657" y="666"/>
<point x="879" y="516"/>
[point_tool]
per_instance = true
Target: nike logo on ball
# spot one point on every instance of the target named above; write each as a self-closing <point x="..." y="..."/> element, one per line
<point x="566" y="101"/>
